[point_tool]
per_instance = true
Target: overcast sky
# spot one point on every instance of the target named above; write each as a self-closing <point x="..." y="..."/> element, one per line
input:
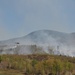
<point x="20" y="17"/>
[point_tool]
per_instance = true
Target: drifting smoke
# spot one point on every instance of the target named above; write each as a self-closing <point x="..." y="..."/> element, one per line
<point x="60" y="43"/>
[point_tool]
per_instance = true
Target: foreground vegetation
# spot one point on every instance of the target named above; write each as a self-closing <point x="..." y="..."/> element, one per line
<point x="36" y="65"/>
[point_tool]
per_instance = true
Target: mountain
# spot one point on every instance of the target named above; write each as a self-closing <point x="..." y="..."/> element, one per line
<point x="38" y="37"/>
<point x="61" y="43"/>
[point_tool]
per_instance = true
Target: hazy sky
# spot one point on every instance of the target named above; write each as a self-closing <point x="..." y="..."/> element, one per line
<point x="20" y="17"/>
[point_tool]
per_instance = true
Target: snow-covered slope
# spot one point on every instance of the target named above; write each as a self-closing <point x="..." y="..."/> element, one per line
<point x="62" y="43"/>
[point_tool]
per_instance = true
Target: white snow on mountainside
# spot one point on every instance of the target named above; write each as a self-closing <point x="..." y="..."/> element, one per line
<point x="61" y="43"/>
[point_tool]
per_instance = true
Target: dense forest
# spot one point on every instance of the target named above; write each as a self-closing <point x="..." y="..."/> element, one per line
<point x="37" y="64"/>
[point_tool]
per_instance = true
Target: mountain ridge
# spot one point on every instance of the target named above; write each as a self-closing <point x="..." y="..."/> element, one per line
<point x="35" y="32"/>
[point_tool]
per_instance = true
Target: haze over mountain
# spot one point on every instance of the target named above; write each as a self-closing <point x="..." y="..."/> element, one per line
<point x="38" y="37"/>
<point x="62" y="43"/>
